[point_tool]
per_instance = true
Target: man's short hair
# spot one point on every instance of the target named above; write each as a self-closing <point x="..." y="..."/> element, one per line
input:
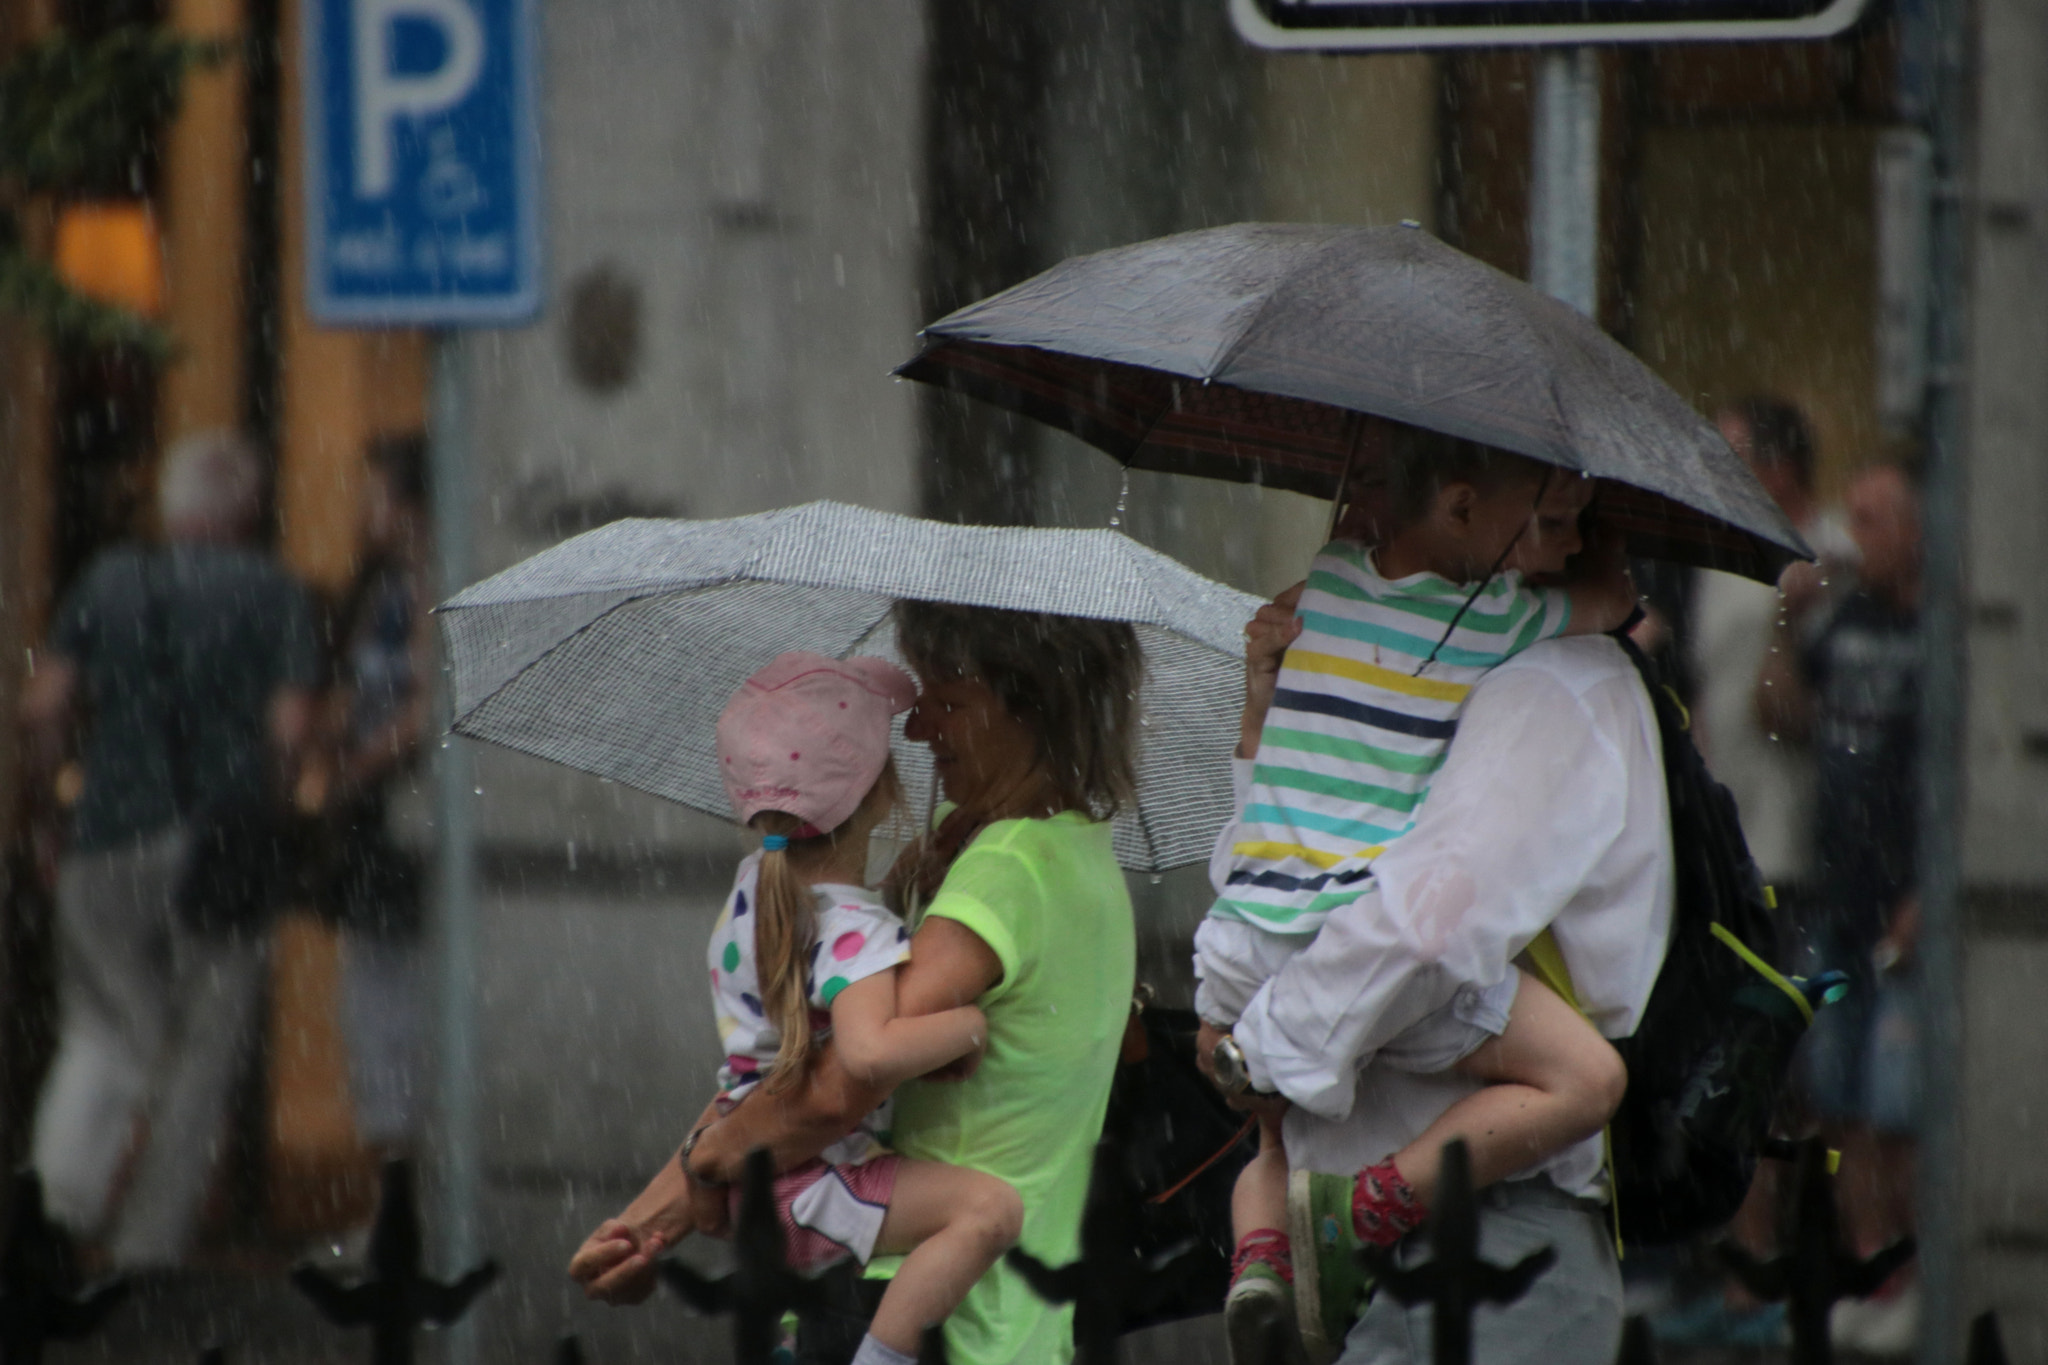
<point x="1780" y="435"/>
<point x="214" y="477"/>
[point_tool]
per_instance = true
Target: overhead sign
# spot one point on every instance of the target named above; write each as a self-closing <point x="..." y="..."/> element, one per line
<point x="1392" y="25"/>
<point x="422" y="161"/>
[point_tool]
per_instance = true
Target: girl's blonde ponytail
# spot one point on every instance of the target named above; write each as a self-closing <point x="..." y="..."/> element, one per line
<point x="786" y="922"/>
<point x="784" y="930"/>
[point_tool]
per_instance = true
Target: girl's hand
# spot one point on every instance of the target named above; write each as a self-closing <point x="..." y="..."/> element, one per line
<point x="967" y="1063"/>
<point x="615" y="1264"/>
<point x="1266" y="637"/>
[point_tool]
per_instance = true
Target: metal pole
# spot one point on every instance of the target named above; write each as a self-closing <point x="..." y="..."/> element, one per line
<point x="455" y="827"/>
<point x="1564" y="178"/>
<point x="1945" y="107"/>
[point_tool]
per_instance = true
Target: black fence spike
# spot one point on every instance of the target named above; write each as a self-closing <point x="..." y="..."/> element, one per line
<point x="569" y="1351"/>
<point x="1987" y="1343"/>
<point x="1816" y="1270"/>
<point x="1112" y="1283"/>
<point x="41" y="1299"/>
<point x="1455" y="1279"/>
<point x="761" y="1286"/>
<point x="214" y="1355"/>
<point x="396" y="1298"/>
<point x="1638" y="1342"/>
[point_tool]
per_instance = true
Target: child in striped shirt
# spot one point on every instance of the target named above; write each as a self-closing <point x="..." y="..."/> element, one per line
<point x="1391" y="640"/>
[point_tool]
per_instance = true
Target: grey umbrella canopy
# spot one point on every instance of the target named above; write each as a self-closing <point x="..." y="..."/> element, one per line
<point x="614" y="652"/>
<point x="1251" y="353"/>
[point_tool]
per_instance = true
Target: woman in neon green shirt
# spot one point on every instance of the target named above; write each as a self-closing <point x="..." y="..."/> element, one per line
<point x="1028" y="718"/>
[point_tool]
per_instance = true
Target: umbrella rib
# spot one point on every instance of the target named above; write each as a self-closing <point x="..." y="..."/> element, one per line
<point x="1222" y="362"/>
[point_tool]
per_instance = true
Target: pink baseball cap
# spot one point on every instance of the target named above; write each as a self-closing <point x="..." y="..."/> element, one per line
<point x="809" y="735"/>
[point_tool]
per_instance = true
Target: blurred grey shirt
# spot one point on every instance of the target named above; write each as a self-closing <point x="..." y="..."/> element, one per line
<point x="180" y="650"/>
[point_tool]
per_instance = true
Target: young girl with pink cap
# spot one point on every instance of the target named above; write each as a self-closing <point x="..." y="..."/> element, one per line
<point x="804" y="952"/>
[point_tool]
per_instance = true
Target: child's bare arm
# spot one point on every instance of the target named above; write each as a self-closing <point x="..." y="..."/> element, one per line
<point x="1602" y="594"/>
<point x="879" y="1047"/>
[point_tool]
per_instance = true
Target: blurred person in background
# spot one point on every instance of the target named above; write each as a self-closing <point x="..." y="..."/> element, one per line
<point x="1735" y="622"/>
<point x="1849" y="684"/>
<point x="377" y="718"/>
<point x="184" y="673"/>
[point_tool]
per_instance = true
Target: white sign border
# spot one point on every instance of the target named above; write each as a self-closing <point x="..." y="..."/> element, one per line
<point x="417" y="310"/>
<point x="1254" y="27"/>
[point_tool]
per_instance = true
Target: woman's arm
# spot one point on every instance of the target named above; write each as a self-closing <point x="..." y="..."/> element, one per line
<point x="949" y="966"/>
<point x="880" y="1047"/>
<point x="615" y="1264"/>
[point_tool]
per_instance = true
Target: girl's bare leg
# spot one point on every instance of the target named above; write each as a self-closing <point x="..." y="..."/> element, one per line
<point x="953" y="1223"/>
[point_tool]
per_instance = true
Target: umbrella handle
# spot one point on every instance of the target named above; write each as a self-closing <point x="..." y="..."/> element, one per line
<point x="1344" y="478"/>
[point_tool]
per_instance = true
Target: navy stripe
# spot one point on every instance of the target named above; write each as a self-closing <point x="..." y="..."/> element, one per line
<point x="1280" y="881"/>
<point x="1322" y="704"/>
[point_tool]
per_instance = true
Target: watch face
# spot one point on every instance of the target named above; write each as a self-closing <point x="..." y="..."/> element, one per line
<point x="1231" y="1076"/>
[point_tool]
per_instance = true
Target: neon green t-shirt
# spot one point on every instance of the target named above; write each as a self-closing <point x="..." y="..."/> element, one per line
<point x="1048" y="898"/>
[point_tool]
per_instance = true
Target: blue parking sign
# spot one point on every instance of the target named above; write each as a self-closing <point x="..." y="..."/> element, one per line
<point x="422" y="162"/>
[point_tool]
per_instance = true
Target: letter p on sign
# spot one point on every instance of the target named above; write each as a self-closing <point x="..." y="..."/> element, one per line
<point x="383" y="96"/>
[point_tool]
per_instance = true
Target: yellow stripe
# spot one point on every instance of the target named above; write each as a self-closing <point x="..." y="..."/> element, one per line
<point x="1372" y="675"/>
<point x="1274" y="853"/>
<point x="1765" y="970"/>
<point x="1546" y="960"/>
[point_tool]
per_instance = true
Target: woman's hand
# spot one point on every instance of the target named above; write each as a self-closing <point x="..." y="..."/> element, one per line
<point x="615" y="1264"/>
<point x="1266" y="637"/>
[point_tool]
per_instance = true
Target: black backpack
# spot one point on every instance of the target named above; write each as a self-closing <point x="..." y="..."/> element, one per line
<point x="1708" y="1061"/>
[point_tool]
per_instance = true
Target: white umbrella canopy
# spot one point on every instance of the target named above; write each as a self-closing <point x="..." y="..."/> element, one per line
<point x="614" y="652"/>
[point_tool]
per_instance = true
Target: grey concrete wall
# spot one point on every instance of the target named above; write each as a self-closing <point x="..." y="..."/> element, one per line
<point x="2005" y="830"/>
<point x="750" y="174"/>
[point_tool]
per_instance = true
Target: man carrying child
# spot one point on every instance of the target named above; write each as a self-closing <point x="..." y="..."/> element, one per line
<point x="1370" y="980"/>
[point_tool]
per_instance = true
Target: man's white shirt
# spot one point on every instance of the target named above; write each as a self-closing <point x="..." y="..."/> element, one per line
<point x="1550" y="811"/>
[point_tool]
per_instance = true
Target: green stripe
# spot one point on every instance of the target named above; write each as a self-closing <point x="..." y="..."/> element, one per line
<point x="1322" y="784"/>
<point x="1441" y="611"/>
<point x="1352" y="751"/>
<point x="1256" y="912"/>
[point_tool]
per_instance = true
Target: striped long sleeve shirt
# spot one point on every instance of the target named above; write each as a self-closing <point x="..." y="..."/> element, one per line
<point x="1361" y="718"/>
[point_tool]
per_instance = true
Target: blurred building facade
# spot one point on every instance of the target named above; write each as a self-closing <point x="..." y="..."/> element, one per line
<point x="751" y="209"/>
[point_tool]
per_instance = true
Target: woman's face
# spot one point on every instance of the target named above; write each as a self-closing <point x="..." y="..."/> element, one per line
<point x="977" y="746"/>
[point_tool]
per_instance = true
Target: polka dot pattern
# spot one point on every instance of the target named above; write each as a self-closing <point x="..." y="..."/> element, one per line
<point x="855" y="938"/>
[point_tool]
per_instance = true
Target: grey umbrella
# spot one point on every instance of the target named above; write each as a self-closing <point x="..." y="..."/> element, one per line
<point x="1250" y="353"/>
<point x="614" y="652"/>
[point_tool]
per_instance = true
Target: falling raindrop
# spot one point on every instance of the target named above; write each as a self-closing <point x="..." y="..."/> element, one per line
<point x="1123" y="498"/>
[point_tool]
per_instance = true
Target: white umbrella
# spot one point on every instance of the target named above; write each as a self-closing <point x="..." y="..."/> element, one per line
<point x="614" y="652"/>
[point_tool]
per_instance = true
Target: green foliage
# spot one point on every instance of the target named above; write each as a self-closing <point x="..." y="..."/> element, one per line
<point x="30" y="288"/>
<point x="83" y="118"/>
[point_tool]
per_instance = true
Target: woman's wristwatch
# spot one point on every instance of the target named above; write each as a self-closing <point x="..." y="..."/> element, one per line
<point x="1233" y="1074"/>
<point x="683" y="1158"/>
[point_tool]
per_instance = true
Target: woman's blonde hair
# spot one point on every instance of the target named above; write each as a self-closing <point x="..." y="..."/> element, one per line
<point x="786" y="923"/>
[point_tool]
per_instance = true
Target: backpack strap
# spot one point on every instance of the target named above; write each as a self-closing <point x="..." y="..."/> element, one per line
<point x="1545" y="961"/>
